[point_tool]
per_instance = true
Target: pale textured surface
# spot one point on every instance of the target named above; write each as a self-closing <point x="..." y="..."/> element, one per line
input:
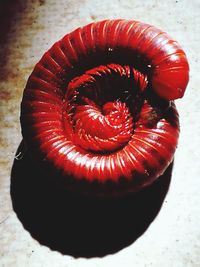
<point x="173" y="239"/>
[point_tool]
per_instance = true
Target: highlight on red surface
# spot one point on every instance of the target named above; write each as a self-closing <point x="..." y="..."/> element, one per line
<point x="98" y="106"/>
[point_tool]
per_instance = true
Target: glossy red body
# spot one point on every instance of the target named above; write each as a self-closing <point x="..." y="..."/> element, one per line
<point x="98" y="105"/>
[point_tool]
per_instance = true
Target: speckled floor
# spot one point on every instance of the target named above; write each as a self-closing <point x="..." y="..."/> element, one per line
<point x="28" y="29"/>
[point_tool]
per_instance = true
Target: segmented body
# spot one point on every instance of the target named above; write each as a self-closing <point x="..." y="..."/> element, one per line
<point x="96" y="106"/>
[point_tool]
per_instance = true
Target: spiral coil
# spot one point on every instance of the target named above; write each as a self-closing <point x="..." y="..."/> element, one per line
<point x="98" y="105"/>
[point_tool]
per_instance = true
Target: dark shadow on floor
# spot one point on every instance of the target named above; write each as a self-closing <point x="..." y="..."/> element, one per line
<point x="81" y="226"/>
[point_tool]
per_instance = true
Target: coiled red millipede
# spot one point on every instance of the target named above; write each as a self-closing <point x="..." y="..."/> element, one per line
<point x="98" y="107"/>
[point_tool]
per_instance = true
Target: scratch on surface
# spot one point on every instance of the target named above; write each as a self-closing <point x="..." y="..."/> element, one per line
<point x="4" y="219"/>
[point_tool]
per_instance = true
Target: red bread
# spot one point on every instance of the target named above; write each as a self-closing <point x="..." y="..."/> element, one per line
<point x="98" y="107"/>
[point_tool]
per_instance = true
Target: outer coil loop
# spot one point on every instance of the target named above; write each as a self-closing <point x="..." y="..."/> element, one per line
<point x="96" y="106"/>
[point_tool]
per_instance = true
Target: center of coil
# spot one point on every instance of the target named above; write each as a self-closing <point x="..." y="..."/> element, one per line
<point x="99" y="110"/>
